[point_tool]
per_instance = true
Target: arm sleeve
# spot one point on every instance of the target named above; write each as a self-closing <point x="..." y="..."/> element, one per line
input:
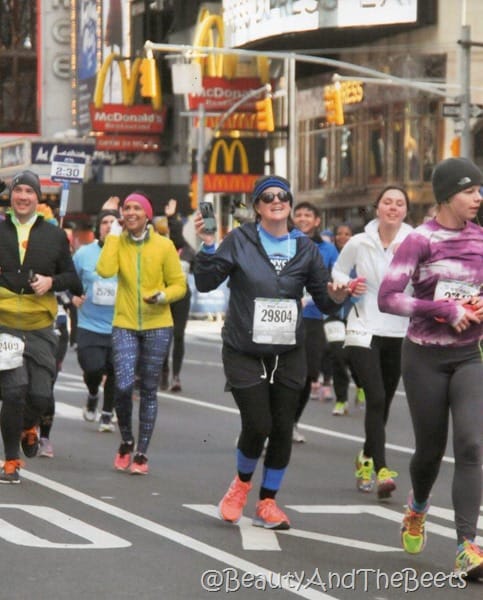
<point x="345" y="263"/>
<point x="393" y="297"/>
<point x="210" y="270"/>
<point x="108" y="263"/>
<point x="66" y="277"/>
<point x="317" y="284"/>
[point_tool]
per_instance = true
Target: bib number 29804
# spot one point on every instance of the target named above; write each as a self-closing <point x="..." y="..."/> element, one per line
<point x="274" y="321"/>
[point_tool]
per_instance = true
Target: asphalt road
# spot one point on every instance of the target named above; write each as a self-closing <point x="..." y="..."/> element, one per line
<point x="76" y="529"/>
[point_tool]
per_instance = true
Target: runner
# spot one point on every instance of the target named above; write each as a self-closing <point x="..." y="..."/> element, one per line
<point x="94" y="329"/>
<point x="442" y="353"/>
<point x="268" y="264"/>
<point x="374" y="339"/>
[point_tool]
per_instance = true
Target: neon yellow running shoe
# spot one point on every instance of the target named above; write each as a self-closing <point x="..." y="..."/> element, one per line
<point x="469" y="561"/>
<point x="413" y="528"/>
<point x="385" y="484"/>
<point x="364" y="473"/>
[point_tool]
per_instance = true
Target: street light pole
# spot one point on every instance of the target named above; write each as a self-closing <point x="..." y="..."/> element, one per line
<point x="465" y="99"/>
<point x="200" y="155"/>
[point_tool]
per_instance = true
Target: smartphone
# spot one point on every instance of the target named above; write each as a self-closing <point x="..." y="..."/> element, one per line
<point x="208" y="214"/>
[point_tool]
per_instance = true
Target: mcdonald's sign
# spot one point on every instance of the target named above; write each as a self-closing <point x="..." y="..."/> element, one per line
<point x="127" y="117"/>
<point x="210" y="33"/>
<point x="233" y="166"/>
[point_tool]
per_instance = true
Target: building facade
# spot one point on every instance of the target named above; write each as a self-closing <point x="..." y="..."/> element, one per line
<point x="51" y="52"/>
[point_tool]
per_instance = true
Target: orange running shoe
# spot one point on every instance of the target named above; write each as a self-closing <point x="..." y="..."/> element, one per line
<point x="30" y="442"/>
<point x="9" y="472"/>
<point x="123" y="456"/>
<point x="233" y="502"/>
<point x="270" y="516"/>
<point x="139" y="465"/>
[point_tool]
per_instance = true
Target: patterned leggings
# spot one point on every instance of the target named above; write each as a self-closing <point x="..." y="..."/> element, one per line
<point x="138" y="353"/>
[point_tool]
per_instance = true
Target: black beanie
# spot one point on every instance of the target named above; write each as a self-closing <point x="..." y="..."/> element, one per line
<point x="27" y="178"/>
<point x="105" y="212"/>
<point x="453" y="175"/>
<point x="266" y="181"/>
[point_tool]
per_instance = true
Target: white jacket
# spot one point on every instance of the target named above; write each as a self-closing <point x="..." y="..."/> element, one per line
<point x="364" y="253"/>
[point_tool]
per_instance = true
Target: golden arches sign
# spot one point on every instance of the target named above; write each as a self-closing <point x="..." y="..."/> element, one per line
<point x="129" y="82"/>
<point x="210" y="33"/>
<point x="229" y="153"/>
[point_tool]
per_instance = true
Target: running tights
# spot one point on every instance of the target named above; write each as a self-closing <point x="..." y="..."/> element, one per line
<point x="440" y="382"/>
<point x="266" y="410"/>
<point x="138" y="353"/>
<point x="378" y="370"/>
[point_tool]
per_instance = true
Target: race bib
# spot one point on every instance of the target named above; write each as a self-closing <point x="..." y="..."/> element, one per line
<point x="448" y="289"/>
<point x="11" y="351"/>
<point x="334" y="331"/>
<point x="104" y="292"/>
<point x="274" y="321"/>
<point x="357" y="335"/>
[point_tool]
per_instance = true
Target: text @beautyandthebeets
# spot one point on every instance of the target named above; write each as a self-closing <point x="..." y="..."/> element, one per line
<point x="408" y="580"/>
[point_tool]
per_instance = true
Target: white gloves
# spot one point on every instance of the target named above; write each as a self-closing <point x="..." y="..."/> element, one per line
<point x="116" y="228"/>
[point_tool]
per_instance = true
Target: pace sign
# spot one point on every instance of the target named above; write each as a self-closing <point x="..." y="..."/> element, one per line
<point x="68" y="168"/>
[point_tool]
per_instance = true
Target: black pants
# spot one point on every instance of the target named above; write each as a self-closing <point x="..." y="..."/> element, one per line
<point x="441" y="383"/>
<point x="378" y="370"/>
<point x="267" y="410"/>
<point x="180" y="311"/>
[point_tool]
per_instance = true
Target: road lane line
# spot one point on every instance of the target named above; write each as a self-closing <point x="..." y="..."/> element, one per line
<point x="177" y="537"/>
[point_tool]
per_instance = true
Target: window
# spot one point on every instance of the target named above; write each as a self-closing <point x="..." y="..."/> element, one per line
<point x="18" y="67"/>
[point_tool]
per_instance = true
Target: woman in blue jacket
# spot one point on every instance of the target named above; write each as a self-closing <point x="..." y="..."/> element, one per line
<point x="268" y="263"/>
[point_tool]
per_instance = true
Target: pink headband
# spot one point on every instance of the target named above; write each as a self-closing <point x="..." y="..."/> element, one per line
<point x="143" y="201"/>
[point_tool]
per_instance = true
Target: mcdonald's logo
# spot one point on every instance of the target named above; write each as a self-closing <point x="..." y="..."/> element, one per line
<point x="128" y="117"/>
<point x="210" y="33"/>
<point x="129" y="82"/>
<point x="229" y="153"/>
<point x="229" y="169"/>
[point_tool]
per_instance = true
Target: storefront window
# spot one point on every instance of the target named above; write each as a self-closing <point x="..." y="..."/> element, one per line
<point x="18" y="67"/>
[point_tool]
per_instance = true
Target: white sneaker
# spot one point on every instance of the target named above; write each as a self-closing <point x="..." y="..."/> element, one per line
<point x="326" y="395"/>
<point x="45" y="448"/>
<point x="298" y="437"/>
<point x="105" y="422"/>
<point x="89" y="415"/>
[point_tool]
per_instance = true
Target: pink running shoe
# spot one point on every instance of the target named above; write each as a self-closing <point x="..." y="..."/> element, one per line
<point x="123" y="456"/>
<point x="233" y="502"/>
<point x="270" y="516"/>
<point x="139" y="465"/>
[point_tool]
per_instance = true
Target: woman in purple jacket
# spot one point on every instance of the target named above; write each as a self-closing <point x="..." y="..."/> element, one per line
<point x="442" y="353"/>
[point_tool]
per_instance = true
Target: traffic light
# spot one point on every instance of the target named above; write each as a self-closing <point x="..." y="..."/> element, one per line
<point x="352" y="92"/>
<point x="455" y="146"/>
<point x="265" y="120"/>
<point x="334" y="112"/>
<point x="148" y="77"/>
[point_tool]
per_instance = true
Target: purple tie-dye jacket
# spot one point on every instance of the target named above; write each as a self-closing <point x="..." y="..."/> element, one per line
<point x="430" y="254"/>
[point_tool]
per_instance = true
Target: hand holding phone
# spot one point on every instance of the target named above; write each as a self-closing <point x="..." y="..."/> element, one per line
<point x="209" y="219"/>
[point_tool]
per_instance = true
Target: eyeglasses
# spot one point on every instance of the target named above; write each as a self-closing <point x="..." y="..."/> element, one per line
<point x="269" y="197"/>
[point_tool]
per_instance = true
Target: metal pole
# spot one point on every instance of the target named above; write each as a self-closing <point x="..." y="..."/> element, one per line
<point x="292" y="126"/>
<point x="200" y="154"/>
<point x="465" y="43"/>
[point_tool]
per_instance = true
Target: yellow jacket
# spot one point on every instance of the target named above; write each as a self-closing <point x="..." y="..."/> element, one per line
<point x="143" y="269"/>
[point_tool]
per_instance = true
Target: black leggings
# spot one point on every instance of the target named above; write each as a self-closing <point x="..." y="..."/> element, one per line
<point x="267" y="410"/>
<point x="378" y="370"/>
<point x="440" y="382"/>
<point x="180" y="311"/>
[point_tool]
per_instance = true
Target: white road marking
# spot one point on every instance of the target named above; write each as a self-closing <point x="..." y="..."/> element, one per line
<point x="98" y="538"/>
<point x="257" y="538"/>
<point x="177" y="537"/>
<point x="383" y="513"/>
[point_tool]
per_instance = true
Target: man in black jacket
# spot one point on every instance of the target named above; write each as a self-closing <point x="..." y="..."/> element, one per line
<point x="35" y="262"/>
